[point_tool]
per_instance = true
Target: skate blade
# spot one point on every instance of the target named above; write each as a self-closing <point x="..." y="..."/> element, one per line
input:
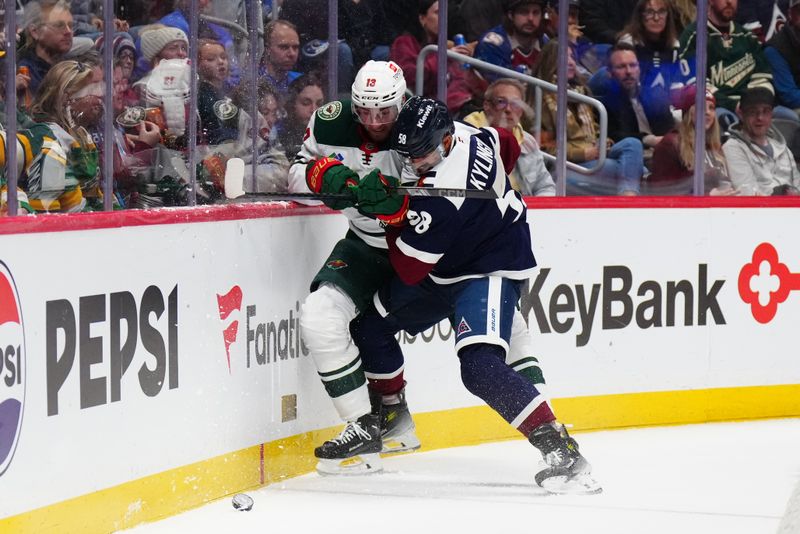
<point x="582" y="484"/>
<point x="362" y="464"/>
<point x="405" y="443"/>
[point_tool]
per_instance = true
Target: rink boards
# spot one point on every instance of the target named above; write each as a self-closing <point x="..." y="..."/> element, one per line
<point x="151" y="361"/>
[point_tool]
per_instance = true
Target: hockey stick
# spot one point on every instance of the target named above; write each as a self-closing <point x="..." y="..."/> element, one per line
<point x="234" y="188"/>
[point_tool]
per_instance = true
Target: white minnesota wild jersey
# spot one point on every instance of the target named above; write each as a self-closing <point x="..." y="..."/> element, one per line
<point x="332" y="131"/>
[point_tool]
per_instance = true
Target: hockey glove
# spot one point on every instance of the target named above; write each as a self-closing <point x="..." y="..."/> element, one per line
<point x="377" y="197"/>
<point x="329" y="175"/>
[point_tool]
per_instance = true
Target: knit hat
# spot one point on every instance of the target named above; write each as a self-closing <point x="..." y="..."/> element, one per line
<point x="121" y="41"/>
<point x="153" y="41"/>
<point x="687" y="97"/>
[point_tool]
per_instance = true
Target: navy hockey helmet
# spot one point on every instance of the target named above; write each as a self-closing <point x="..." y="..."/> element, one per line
<point x="420" y="127"/>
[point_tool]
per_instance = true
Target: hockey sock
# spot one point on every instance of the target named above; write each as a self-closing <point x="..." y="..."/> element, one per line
<point x="380" y="351"/>
<point x="485" y="374"/>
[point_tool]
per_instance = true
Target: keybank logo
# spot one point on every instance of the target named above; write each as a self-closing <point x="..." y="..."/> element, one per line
<point x="12" y="367"/>
<point x="265" y="341"/>
<point x="765" y="282"/>
<point x="620" y="301"/>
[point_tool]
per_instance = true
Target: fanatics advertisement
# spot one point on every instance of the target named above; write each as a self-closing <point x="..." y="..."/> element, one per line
<point x="132" y="351"/>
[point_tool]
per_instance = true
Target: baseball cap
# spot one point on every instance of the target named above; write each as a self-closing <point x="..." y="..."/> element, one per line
<point x="755" y="96"/>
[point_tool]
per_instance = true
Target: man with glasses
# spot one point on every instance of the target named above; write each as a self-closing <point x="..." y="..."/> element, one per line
<point x="503" y="107"/>
<point x="48" y="29"/>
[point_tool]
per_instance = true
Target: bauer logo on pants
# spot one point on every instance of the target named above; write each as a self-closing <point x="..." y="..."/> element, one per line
<point x="12" y="367"/>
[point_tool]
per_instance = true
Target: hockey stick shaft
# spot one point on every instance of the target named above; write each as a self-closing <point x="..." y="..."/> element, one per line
<point x="403" y="191"/>
<point x="234" y="180"/>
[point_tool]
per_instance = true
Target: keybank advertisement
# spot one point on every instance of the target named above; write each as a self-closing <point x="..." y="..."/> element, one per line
<point x="144" y="349"/>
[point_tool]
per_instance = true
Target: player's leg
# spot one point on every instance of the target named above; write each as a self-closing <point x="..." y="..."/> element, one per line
<point x="484" y="312"/>
<point x="397" y="307"/>
<point x="350" y="275"/>
<point x="520" y="356"/>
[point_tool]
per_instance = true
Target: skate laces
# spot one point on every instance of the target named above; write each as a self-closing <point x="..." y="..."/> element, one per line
<point x="351" y="432"/>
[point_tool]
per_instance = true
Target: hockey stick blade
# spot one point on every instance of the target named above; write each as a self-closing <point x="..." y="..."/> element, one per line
<point x="234" y="181"/>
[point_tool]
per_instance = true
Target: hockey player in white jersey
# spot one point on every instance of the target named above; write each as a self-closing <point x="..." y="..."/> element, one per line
<point x="462" y="259"/>
<point x="345" y="141"/>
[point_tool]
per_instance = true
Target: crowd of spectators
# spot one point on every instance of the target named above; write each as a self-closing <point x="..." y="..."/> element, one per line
<point x="636" y="57"/>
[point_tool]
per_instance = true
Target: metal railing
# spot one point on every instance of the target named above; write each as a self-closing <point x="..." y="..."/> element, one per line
<point x="539" y="86"/>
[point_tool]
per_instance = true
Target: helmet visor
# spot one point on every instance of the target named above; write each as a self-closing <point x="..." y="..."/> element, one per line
<point x="422" y="164"/>
<point x="376" y="116"/>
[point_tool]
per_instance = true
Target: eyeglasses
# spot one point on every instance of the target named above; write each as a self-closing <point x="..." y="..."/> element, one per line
<point x="503" y="103"/>
<point x="655" y="14"/>
<point x="59" y="26"/>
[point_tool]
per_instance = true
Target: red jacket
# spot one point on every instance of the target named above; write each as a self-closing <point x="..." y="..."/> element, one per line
<point x="404" y="52"/>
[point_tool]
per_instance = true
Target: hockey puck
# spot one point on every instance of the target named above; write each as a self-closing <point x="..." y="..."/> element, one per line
<point x="242" y="502"/>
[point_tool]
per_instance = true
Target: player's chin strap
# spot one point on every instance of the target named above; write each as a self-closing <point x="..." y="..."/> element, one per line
<point x="234" y="188"/>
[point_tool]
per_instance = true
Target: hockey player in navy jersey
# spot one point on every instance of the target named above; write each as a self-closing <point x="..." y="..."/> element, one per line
<point x="463" y="259"/>
<point x="347" y="141"/>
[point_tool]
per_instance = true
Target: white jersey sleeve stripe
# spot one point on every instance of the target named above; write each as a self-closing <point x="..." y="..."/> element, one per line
<point x="411" y="252"/>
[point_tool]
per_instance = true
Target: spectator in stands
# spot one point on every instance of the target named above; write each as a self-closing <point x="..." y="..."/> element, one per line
<point x="405" y="51"/>
<point x="504" y="107"/>
<point x="281" y="51"/>
<point x="272" y="165"/>
<point x="68" y="102"/>
<point x="516" y="43"/>
<point x="685" y="14"/>
<point x="306" y="94"/>
<point x="783" y="54"/>
<point x="48" y="28"/>
<point x="216" y="111"/>
<point x="623" y="168"/>
<point x="207" y="30"/>
<point x="310" y="18"/>
<point x="165" y="89"/>
<point x="588" y="56"/>
<point x="652" y="32"/>
<point x="735" y="59"/>
<point x="124" y="59"/>
<point x="759" y="161"/>
<point x="673" y="157"/>
<point x="633" y="112"/>
<point x="604" y="19"/>
<point x="762" y="17"/>
<point x="158" y="43"/>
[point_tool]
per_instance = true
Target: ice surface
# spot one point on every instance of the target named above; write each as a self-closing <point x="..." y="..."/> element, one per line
<point x="731" y="478"/>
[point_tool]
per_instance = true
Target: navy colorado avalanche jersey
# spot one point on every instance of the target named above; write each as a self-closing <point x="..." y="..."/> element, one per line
<point x="466" y="237"/>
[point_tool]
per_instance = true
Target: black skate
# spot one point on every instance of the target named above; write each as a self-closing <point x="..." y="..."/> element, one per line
<point x="567" y="470"/>
<point x="355" y="451"/>
<point x="398" y="431"/>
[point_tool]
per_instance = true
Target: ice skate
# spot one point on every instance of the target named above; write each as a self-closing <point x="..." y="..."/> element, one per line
<point x="567" y="471"/>
<point x="355" y="451"/>
<point x="398" y="431"/>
